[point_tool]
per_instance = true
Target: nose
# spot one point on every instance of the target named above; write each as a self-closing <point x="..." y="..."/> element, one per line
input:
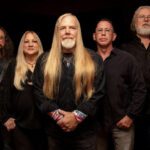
<point x="67" y="30"/>
<point x="146" y="18"/>
<point x="103" y="32"/>
<point x="30" y="43"/>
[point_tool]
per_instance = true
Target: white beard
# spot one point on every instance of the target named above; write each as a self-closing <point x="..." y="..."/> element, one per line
<point x="143" y="31"/>
<point x="68" y="43"/>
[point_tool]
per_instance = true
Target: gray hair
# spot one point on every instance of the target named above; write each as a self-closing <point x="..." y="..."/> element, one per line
<point x="132" y="26"/>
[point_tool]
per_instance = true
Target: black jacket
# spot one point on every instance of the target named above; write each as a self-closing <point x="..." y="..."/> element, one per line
<point x="65" y="99"/>
<point x="19" y="104"/>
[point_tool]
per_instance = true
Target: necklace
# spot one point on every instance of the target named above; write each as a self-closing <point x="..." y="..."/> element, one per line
<point x="32" y="65"/>
<point x="67" y="61"/>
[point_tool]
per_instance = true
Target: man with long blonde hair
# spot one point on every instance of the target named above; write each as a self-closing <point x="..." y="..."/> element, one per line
<point x="69" y="84"/>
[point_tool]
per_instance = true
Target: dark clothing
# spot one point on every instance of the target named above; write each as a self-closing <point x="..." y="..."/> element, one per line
<point x="137" y="49"/>
<point x="124" y="85"/>
<point x="65" y="99"/>
<point x="20" y="105"/>
<point x="142" y="124"/>
<point x="28" y="139"/>
<point x="3" y="66"/>
<point x="85" y="142"/>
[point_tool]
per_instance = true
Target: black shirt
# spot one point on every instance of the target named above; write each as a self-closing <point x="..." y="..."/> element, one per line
<point x="142" y="55"/>
<point x="125" y="86"/>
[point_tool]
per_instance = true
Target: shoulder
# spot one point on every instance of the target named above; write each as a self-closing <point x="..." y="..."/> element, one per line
<point x="42" y="58"/>
<point x="131" y="46"/>
<point x="95" y="56"/>
<point x="12" y="63"/>
<point x="121" y="52"/>
<point x="125" y="56"/>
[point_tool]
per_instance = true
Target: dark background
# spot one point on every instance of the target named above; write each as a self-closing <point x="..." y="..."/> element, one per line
<point x="17" y="16"/>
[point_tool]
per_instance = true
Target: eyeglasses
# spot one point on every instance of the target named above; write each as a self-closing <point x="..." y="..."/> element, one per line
<point x="100" y="30"/>
<point x="143" y="17"/>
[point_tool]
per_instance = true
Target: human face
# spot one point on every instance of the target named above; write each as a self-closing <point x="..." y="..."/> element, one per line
<point x="104" y="34"/>
<point x="142" y="22"/>
<point x="2" y="38"/>
<point x="68" y="33"/>
<point x="30" y="45"/>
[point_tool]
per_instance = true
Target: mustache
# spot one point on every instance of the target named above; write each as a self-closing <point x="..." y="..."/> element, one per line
<point x="146" y="24"/>
<point x="67" y="38"/>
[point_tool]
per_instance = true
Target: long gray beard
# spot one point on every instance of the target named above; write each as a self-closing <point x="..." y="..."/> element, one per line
<point x="68" y="43"/>
<point x="143" y="31"/>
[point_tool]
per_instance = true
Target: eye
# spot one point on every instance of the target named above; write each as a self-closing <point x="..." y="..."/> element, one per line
<point x="107" y="30"/>
<point x="99" y="30"/>
<point x="73" y="27"/>
<point x="34" y="41"/>
<point x="61" y="28"/>
<point x="2" y="37"/>
<point x="26" y="41"/>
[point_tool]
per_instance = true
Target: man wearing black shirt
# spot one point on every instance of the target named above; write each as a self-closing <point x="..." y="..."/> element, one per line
<point x="69" y="84"/>
<point x="140" y="48"/>
<point x="124" y="86"/>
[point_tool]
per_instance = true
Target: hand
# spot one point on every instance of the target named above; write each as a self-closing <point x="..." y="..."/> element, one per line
<point x="68" y="122"/>
<point x="10" y="124"/>
<point x="125" y="122"/>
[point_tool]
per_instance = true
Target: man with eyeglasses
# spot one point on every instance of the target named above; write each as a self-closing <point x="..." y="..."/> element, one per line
<point x="140" y="48"/>
<point x="125" y="90"/>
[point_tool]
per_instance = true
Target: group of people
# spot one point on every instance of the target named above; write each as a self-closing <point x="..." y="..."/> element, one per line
<point x="73" y="97"/>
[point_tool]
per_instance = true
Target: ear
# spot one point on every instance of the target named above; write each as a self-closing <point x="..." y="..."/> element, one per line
<point x="114" y="36"/>
<point x="94" y="38"/>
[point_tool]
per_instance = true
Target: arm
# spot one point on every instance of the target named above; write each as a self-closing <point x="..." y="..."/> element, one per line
<point x="87" y="108"/>
<point x="138" y="92"/>
<point x="6" y="109"/>
<point x="44" y="104"/>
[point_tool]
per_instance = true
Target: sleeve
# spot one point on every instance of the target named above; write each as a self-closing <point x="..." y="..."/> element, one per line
<point x="89" y="107"/>
<point x="6" y="92"/>
<point x="137" y="88"/>
<point x="44" y="104"/>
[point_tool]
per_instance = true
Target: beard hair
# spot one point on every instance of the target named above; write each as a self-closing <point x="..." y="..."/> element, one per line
<point x="143" y="31"/>
<point x="68" y="43"/>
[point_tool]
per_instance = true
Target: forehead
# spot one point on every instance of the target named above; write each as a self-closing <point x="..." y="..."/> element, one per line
<point x="104" y="24"/>
<point x="144" y="11"/>
<point x="68" y="21"/>
<point x="29" y="35"/>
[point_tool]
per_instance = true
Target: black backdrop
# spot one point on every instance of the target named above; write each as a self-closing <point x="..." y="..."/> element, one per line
<point x="17" y="16"/>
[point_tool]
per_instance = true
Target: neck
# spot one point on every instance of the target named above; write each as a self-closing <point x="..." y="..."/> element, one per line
<point x="104" y="52"/>
<point x="67" y="54"/>
<point x="145" y="40"/>
<point x="68" y="51"/>
<point x="31" y="60"/>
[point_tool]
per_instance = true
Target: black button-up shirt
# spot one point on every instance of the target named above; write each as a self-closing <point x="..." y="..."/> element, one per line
<point x="142" y="55"/>
<point x="125" y="86"/>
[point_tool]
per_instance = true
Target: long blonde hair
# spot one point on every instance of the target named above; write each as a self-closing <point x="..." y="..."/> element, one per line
<point x="21" y="65"/>
<point x="84" y="66"/>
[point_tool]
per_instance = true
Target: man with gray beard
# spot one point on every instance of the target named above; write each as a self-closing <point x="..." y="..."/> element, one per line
<point x="140" y="48"/>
